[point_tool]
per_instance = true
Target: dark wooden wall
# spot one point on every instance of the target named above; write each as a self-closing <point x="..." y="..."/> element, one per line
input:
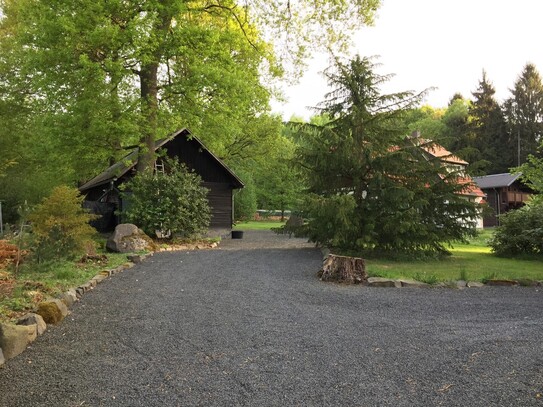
<point x="220" y="201"/>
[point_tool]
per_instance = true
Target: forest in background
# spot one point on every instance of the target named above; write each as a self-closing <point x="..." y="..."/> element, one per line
<point x="82" y="84"/>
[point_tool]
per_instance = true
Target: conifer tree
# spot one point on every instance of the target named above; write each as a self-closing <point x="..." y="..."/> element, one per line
<point x="488" y="129"/>
<point x="373" y="188"/>
<point x="524" y="113"/>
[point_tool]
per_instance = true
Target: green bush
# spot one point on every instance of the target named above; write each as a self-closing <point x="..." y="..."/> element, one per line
<point x="173" y="202"/>
<point x="520" y="232"/>
<point x="60" y="226"/>
<point x="331" y="220"/>
<point x="245" y="199"/>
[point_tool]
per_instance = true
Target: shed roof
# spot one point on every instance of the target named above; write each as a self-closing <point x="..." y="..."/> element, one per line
<point x="130" y="160"/>
<point x="496" y="180"/>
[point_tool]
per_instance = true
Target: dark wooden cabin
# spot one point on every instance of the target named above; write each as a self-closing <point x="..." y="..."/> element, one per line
<point x="504" y="192"/>
<point x="103" y="197"/>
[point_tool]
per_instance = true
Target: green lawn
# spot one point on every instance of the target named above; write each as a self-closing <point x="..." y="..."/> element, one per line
<point x="258" y="225"/>
<point x="473" y="261"/>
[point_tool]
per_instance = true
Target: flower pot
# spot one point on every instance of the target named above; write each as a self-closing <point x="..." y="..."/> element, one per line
<point x="237" y="234"/>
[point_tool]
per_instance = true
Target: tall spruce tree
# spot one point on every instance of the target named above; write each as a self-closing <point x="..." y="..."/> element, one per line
<point x="488" y="129"/>
<point x="372" y="187"/>
<point x="524" y="113"/>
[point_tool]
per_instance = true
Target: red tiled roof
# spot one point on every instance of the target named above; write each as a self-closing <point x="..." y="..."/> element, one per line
<point x="470" y="188"/>
<point x="445" y="155"/>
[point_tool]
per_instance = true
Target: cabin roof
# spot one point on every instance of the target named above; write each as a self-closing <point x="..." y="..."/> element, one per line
<point x="496" y="180"/>
<point x="130" y="160"/>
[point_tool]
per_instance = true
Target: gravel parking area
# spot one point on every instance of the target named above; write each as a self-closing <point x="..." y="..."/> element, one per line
<point x="249" y="324"/>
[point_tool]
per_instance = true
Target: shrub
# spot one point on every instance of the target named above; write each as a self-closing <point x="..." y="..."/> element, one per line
<point x="173" y="202"/>
<point x="60" y="226"/>
<point x="331" y="220"/>
<point x="520" y="232"/>
<point x="245" y="199"/>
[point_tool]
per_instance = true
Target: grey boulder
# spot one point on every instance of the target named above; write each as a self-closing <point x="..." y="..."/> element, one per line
<point x="128" y="238"/>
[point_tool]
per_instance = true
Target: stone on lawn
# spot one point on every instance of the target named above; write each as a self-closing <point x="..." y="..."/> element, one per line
<point x="413" y="284"/>
<point x="129" y="238"/>
<point x="33" y="319"/>
<point x="15" y="338"/>
<point x="69" y="297"/>
<point x="52" y="311"/>
<point x="499" y="282"/>
<point x="135" y="258"/>
<point x="381" y="282"/>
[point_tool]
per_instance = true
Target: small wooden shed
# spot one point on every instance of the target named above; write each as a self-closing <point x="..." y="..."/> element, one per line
<point x="103" y="197"/>
<point x="504" y="193"/>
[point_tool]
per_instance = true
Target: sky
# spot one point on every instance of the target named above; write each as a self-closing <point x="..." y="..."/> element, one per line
<point x="444" y="44"/>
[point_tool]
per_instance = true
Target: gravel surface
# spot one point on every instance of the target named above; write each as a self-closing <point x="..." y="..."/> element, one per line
<point x="236" y="326"/>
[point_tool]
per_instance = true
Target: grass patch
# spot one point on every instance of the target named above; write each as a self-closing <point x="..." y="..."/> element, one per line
<point x="258" y="225"/>
<point x="472" y="261"/>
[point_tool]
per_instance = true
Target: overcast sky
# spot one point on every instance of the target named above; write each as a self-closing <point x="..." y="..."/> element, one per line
<point x="439" y="43"/>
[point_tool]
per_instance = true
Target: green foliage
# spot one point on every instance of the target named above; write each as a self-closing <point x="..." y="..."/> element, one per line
<point x="278" y="179"/>
<point x="488" y="131"/>
<point x="333" y="220"/>
<point x="374" y="188"/>
<point x="524" y="113"/>
<point x="532" y="175"/>
<point x="60" y="226"/>
<point x="245" y="199"/>
<point x="171" y="201"/>
<point x="94" y="76"/>
<point x="428" y="121"/>
<point x="520" y="232"/>
<point x="426" y="278"/>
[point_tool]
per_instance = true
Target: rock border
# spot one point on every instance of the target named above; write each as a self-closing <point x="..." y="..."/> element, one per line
<point x="459" y="284"/>
<point x="15" y="338"/>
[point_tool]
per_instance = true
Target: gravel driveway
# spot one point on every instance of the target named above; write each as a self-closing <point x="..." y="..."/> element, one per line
<point x="246" y="325"/>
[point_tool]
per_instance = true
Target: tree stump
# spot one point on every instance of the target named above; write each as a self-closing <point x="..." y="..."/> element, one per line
<point x="343" y="269"/>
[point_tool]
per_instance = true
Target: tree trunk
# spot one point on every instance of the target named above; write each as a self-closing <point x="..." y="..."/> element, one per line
<point x="342" y="269"/>
<point x="149" y="101"/>
<point x="149" y="88"/>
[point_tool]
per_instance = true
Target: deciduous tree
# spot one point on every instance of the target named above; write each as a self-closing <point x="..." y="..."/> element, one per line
<point x="111" y="71"/>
